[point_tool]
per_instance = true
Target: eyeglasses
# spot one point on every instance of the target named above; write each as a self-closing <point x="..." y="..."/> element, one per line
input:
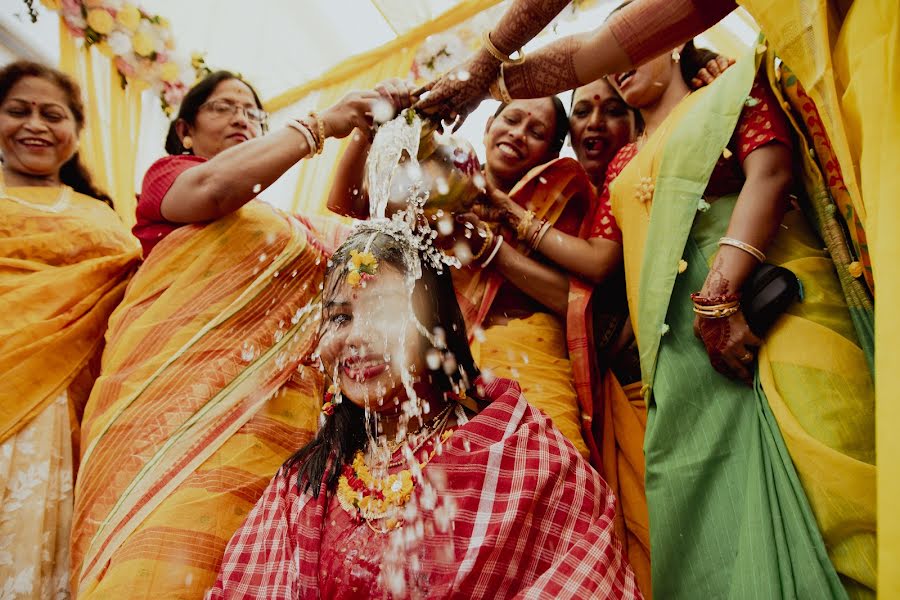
<point x="224" y="109"/>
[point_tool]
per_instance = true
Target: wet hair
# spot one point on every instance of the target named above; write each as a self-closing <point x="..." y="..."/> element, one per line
<point x="194" y="99"/>
<point x="435" y="306"/>
<point x="561" y="124"/>
<point x="72" y="173"/>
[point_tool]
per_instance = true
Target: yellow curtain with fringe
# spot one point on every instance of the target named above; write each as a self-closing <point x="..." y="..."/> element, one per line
<point x="363" y="71"/>
<point x="109" y="142"/>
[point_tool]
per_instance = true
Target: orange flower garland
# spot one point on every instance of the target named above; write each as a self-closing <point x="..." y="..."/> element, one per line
<point x="371" y="498"/>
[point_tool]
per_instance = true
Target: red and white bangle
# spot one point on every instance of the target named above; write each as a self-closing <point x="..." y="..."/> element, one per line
<point x="303" y="128"/>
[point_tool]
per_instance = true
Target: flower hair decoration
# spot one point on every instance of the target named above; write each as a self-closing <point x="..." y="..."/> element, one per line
<point x="362" y="267"/>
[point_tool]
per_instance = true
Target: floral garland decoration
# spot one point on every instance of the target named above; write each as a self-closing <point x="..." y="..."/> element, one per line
<point x="140" y="44"/>
<point x="362" y="267"/>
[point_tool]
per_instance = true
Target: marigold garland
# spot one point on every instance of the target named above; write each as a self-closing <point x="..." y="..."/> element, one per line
<point x="370" y="498"/>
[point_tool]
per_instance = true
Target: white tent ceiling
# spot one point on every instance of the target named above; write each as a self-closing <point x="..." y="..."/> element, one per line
<point x="280" y="44"/>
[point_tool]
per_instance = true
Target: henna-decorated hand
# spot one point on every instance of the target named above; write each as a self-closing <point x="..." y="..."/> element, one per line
<point x="496" y="206"/>
<point x="458" y="92"/>
<point x="730" y="344"/>
<point x="713" y="69"/>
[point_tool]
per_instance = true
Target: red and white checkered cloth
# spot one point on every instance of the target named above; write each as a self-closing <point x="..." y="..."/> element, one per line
<point x="532" y="520"/>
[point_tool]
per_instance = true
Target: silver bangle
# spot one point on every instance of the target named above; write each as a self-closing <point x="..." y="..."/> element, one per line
<point x="755" y="252"/>
<point x="307" y="134"/>
<point x="493" y="252"/>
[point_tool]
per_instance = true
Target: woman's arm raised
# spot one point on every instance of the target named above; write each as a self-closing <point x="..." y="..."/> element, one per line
<point x="235" y="176"/>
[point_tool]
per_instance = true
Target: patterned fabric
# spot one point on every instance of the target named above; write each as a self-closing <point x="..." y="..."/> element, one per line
<point x="36" y="507"/>
<point x="532" y="519"/>
<point x="761" y="122"/>
<point x="150" y="226"/>
<point x="203" y="394"/>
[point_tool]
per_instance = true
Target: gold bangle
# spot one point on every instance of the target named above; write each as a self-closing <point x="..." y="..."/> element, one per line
<point x="716" y="313"/>
<point x="755" y="252"/>
<point x="320" y="127"/>
<point x="495" y="52"/>
<point x="488" y="240"/>
<point x="524" y="224"/>
<point x="505" y="98"/>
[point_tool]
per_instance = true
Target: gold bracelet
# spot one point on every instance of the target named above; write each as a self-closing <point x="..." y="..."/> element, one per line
<point x="320" y="126"/>
<point x="488" y="240"/>
<point x="524" y="224"/>
<point x="495" y="52"/>
<point x="757" y="254"/>
<point x="505" y="98"/>
<point x="715" y="313"/>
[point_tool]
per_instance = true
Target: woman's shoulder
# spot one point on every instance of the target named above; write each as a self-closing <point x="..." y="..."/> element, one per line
<point x="167" y="164"/>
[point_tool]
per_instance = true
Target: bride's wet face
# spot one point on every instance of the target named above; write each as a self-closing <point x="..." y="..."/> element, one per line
<point x="369" y="339"/>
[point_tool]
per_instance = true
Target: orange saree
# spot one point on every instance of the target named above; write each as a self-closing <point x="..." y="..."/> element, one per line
<point x="203" y="394"/>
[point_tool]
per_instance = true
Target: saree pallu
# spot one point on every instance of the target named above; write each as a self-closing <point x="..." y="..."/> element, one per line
<point x="846" y="55"/>
<point x="531" y="520"/>
<point x="61" y="275"/>
<point x="723" y="492"/>
<point x="202" y="396"/>
<point x="560" y="192"/>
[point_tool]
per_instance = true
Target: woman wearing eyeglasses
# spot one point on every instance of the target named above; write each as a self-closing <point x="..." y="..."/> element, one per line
<point x="204" y="390"/>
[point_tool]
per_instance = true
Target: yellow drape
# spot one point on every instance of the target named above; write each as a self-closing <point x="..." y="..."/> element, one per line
<point x="109" y="141"/>
<point x="847" y="56"/>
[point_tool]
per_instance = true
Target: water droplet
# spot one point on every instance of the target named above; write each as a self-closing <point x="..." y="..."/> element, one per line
<point x="263" y="257"/>
<point x="478" y="332"/>
<point x="257" y="188"/>
<point x="276" y="274"/>
<point x="382" y="111"/>
<point x="442" y="187"/>
<point x="248" y="352"/>
<point x="445" y="226"/>
<point x="433" y="359"/>
<point x="463" y="75"/>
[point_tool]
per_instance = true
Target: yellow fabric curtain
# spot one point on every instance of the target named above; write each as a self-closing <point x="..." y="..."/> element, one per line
<point x="109" y="141"/>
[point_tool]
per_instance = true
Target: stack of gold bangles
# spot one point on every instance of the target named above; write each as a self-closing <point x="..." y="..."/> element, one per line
<point x="498" y="88"/>
<point x="715" y="308"/>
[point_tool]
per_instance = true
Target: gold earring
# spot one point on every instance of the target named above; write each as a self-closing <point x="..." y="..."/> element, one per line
<point x="187" y="142"/>
<point x="676" y="55"/>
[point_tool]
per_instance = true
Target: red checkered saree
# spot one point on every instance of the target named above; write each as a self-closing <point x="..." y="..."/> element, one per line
<point x="532" y="520"/>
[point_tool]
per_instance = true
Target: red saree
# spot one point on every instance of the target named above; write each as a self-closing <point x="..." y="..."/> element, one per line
<point x="532" y="519"/>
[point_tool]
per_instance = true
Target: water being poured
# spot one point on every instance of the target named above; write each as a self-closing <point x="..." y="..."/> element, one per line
<point x="393" y="139"/>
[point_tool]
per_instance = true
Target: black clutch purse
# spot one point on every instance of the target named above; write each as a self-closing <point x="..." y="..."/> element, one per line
<point x="767" y="294"/>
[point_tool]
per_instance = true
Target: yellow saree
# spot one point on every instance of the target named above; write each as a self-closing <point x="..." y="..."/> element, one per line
<point x="845" y="53"/>
<point x="65" y="260"/>
<point x="203" y="394"/>
<point x="551" y="360"/>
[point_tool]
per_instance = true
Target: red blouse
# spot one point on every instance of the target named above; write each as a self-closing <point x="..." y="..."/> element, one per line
<point x="761" y="123"/>
<point x="151" y="226"/>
